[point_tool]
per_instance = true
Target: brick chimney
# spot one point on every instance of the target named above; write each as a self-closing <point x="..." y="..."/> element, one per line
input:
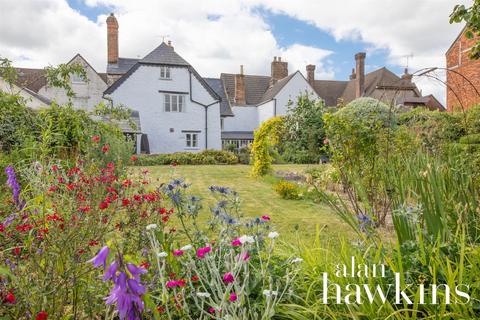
<point x="407" y="76"/>
<point x="240" y="88"/>
<point x="279" y="69"/>
<point x="360" y="74"/>
<point x="112" y="39"/>
<point x="353" y="75"/>
<point x="311" y="74"/>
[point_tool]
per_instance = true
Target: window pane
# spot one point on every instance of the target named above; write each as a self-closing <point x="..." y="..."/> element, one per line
<point x="167" y="103"/>
<point x="180" y="103"/>
<point x="167" y="72"/>
<point x="189" y="140"/>
<point x="194" y="140"/>
<point x="162" y="72"/>
<point x="174" y="103"/>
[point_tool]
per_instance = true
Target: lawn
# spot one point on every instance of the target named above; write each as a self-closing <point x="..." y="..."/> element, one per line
<point x="258" y="198"/>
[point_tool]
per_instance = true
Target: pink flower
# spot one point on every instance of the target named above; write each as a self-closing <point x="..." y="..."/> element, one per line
<point x="265" y="218"/>
<point x="245" y="256"/>
<point x="176" y="283"/>
<point x="233" y="297"/>
<point x="202" y="251"/>
<point x="228" y="277"/>
<point x="177" y="252"/>
<point x="236" y="242"/>
<point x="211" y="310"/>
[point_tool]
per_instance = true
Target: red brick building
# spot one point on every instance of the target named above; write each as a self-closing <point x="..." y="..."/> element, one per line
<point x="463" y="75"/>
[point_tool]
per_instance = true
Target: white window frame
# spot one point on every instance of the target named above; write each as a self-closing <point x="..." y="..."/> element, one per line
<point x="191" y="140"/>
<point x="76" y="79"/>
<point x="165" y="73"/>
<point x="173" y="102"/>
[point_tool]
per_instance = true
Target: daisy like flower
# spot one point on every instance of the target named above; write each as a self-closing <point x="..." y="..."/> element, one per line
<point x="246" y="239"/>
<point x="162" y="254"/>
<point x="151" y="226"/>
<point x="203" y="294"/>
<point x="187" y="247"/>
<point x="269" y="293"/>
<point x="273" y="235"/>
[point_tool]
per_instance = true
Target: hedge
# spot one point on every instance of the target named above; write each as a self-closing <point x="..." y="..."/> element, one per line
<point x="183" y="158"/>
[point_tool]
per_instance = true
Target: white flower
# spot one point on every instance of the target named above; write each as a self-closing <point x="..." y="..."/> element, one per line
<point x="151" y="226"/>
<point x="246" y="239"/>
<point x="186" y="248"/>
<point x="203" y="294"/>
<point x="269" y="293"/>
<point x="297" y="260"/>
<point x="273" y="235"/>
<point x="162" y="254"/>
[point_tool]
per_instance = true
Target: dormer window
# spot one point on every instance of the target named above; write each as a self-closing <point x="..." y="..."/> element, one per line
<point x="164" y="72"/>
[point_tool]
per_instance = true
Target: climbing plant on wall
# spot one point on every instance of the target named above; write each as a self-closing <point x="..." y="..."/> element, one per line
<point x="265" y="137"/>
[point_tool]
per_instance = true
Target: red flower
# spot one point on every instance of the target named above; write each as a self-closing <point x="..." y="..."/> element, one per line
<point x="103" y="205"/>
<point x="17" y="251"/>
<point x="160" y="309"/>
<point x="9" y="298"/>
<point x="144" y="265"/>
<point x="134" y="158"/>
<point x="195" y="278"/>
<point x="2" y="228"/>
<point x="163" y="210"/>
<point x="42" y="315"/>
<point x="52" y="189"/>
<point x="105" y="148"/>
<point x="165" y="218"/>
<point x="93" y="243"/>
<point x="96" y="139"/>
<point x="70" y="186"/>
<point x="125" y="202"/>
<point x="54" y="168"/>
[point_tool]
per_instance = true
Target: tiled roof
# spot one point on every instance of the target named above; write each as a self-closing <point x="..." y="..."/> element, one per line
<point x="329" y="90"/>
<point x="275" y="89"/>
<point x="122" y="66"/>
<point x="217" y="86"/>
<point x="33" y="79"/>
<point x="164" y="54"/>
<point x="255" y="87"/>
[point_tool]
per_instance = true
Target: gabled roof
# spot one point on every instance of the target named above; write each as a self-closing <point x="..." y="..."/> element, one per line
<point x="217" y="86"/>
<point x="161" y="55"/>
<point x="380" y="79"/>
<point x="255" y="87"/>
<point x="88" y="64"/>
<point x="275" y="89"/>
<point x="122" y="66"/>
<point x="164" y="54"/>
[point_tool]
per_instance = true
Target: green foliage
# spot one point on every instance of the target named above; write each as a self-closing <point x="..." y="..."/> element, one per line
<point x="7" y="71"/>
<point x="360" y="137"/>
<point x="188" y="158"/>
<point x="287" y="190"/>
<point x="304" y="131"/>
<point x="244" y="155"/>
<point x="265" y="137"/>
<point x="59" y="76"/>
<point x="471" y="16"/>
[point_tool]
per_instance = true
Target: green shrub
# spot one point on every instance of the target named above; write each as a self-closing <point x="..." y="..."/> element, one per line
<point x="188" y="158"/>
<point x="244" y="155"/>
<point x="287" y="190"/>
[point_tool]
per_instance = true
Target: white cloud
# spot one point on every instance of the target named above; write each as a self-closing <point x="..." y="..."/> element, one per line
<point x="218" y="36"/>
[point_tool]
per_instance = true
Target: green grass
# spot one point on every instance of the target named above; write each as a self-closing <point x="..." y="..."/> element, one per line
<point x="258" y="198"/>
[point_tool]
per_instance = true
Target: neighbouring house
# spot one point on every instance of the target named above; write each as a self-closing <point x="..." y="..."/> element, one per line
<point x="32" y="99"/>
<point x="463" y="74"/>
<point x="87" y="93"/>
<point x="253" y="99"/>
<point x="381" y="84"/>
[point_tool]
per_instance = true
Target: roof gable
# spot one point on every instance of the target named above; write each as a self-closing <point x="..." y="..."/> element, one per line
<point x="164" y="54"/>
<point x="86" y="63"/>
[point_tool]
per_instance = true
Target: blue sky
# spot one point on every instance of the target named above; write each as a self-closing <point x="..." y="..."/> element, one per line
<point x="288" y="31"/>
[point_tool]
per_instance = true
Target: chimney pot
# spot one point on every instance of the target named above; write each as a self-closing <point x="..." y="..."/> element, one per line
<point x="169" y="43"/>
<point x="279" y="58"/>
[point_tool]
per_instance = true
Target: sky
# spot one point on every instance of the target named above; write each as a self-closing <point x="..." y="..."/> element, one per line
<point x="220" y="35"/>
